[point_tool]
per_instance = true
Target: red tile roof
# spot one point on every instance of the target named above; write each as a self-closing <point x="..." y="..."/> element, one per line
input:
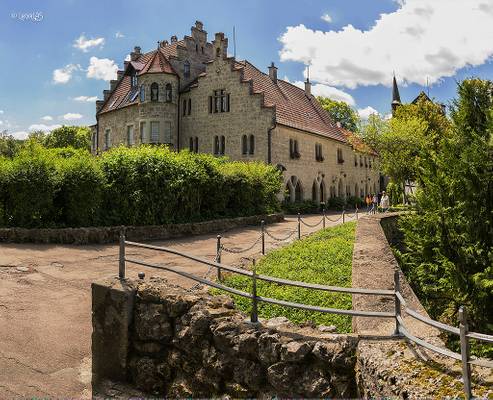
<point x="357" y="143"/>
<point x="151" y="62"/>
<point x="293" y="107"/>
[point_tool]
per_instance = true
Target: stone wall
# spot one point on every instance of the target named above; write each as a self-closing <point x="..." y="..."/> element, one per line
<point x="178" y="344"/>
<point x="111" y="234"/>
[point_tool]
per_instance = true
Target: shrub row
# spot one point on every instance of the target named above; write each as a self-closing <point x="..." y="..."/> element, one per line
<point x="147" y="185"/>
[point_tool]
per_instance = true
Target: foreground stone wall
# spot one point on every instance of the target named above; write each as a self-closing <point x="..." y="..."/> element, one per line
<point x="110" y="234"/>
<point x="180" y="344"/>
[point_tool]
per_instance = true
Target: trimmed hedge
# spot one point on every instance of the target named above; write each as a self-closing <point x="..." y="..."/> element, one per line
<point x="144" y="185"/>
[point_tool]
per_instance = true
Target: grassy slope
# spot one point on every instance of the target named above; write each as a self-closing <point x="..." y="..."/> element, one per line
<point x="324" y="258"/>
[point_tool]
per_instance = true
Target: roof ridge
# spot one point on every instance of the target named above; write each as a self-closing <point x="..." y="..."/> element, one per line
<point x="267" y="76"/>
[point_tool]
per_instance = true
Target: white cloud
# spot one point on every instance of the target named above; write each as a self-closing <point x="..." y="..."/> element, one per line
<point x="43" y="127"/>
<point x="1" y="111"/>
<point x="326" y="17"/>
<point x="1" y="122"/>
<point x="89" y="99"/>
<point x="364" y="113"/>
<point x="102" y="68"/>
<point x="47" y="118"/>
<point x="20" y="134"/>
<point x="71" y="116"/>
<point x="85" y="44"/>
<point x="63" y="75"/>
<point x="420" y="40"/>
<point x="119" y="35"/>
<point x="319" y="89"/>
<point x="127" y="58"/>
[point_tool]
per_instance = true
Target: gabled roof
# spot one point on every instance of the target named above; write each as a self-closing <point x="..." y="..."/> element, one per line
<point x="156" y="61"/>
<point x="421" y="95"/>
<point x="357" y="143"/>
<point x="294" y="108"/>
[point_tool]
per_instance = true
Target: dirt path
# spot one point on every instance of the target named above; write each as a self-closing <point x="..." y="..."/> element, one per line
<point x="45" y="303"/>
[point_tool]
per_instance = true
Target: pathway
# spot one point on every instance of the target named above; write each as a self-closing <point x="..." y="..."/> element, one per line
<point x="45" y="303"/>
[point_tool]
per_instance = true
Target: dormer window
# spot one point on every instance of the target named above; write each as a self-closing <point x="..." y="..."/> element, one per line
<point x="186" y="69"/>
<point x="134" y="80"/>
<point x="142" y="93"/>
<point x="154" y="91"/>
<point x="169" y="93"/>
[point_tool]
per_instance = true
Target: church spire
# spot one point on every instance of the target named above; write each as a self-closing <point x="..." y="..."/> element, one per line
<point x="396" y="98"/>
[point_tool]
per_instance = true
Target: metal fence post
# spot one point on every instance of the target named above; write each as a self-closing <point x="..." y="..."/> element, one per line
<point x="323" y="223"/>
<point x="343" y="216"/>
<point x="121" y="263"/>
<point x="357" y="210"/>
<point x="464" y="352"/>
<point x="397" y="289"/>
<point x="218" y="257"/>
<point x="254" y="314"/>
<point x="262" y="225"/>
<point x="299" y="226"/>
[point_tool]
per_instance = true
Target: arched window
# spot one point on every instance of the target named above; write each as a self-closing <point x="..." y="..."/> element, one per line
<point x="186" y="69"/>
<point x="169" y="92"/>
<point x="191" y="145"/>
<point x="189" y="106"/>
<point x="251" y="150"/>
<point x="142" y="93"/>
<point x="244" y="145"/>
<point x="216" y="145"/>
<point x="298" y="192"/>
<point x="184" y="107"/>
<point x="223" y="145"/>
<point x="322" y="192"/>
<point x="154" y="91"/>
<point x="196" y="143"/>
<point x="314" y="191"/>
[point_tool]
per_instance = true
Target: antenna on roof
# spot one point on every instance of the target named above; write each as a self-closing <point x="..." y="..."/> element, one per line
<point x="234" y="41"/>
<point x="308" y="72"/>
<point x="427" y="87"/>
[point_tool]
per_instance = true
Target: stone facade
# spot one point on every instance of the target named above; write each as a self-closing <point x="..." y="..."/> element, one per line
<point x="200" y="72"/>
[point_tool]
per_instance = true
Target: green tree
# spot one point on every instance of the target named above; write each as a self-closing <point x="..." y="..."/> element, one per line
<point x="340" y="112"/>
<point x="9" y="146"/>
<point x="450" y="237"/>
<point x="78" y="137"/>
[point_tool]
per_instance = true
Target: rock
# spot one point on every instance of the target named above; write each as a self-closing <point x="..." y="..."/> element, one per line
<point x="327" y="329"/>
<point x="152" y="322"/>
<point x="237" y="391"/>
<point x="146" y="377"/>
<point x="315" y="383"/>
<point x="269" y="348"/>
<point x="249" y="374"/>
<point x="295" y="351"/>
<point x="284" y="378"/>
<point x="247" y="345"/>
<point x="22" y="269"/>
<point x="277" y="322"/>
<point x="225" y="335"/>
<point x="148" y="348"/>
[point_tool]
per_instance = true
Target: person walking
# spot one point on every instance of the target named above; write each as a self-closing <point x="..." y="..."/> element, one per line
<point x="375" y="204"/>
<point x="368" y="202"/>
<point x="385" y="202"/>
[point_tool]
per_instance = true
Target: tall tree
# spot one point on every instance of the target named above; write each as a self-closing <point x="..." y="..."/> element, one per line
<point x="340" y="112"/>
<point x="78" y="137"/>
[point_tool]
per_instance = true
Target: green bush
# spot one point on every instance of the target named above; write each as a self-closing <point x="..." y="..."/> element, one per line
<point x="304" y="207"/>
<point x="324" y="257"/>
<point x="336" y="203"/>
<point x="355" y="201"/>
<point x="146" y="185"/>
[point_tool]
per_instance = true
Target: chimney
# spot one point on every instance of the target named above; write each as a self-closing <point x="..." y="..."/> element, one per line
<point x="308" y="87"/>
<point x="163" y="43"/>
<point x="113" y="84"/>
<point x="119" y="74"/>
<point x="220" y="44"/>
<point x="134" y="55"/>
<point x="106" y="94"/>
<point x="199" y="25"/>
<point x="125" y="64"/>
<point x="174" y="39"/>
<point x="273" y="72"/>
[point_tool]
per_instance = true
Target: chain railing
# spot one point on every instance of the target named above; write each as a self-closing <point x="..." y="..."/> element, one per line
<point x="400" y="304"/>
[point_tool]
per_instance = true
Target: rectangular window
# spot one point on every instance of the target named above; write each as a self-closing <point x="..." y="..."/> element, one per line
<point x="142" y="132"/>
<point x="130" y="135"/>
<point x="184" y="108"/>
<point x="340" y="159"/>
<point x="220" y="102"/>
<point x="107" y="139"/>
<point x="189" y="106"/>
<point x="167" y="133"/>
<point x="155" y="132"/>
<point x="196" y="144"/>
<point x="210" y="104"/>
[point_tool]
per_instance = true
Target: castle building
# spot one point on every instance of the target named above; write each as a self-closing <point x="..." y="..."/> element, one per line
<point x="189" y="94"/>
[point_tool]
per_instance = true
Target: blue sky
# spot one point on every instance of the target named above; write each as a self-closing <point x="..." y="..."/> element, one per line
<point x="47" y="47"/>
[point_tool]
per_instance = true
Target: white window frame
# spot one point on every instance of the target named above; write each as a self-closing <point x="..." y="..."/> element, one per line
<point x="107" y="139"/>
<point x="130" y="138"/>
<point x="151" y="136"/>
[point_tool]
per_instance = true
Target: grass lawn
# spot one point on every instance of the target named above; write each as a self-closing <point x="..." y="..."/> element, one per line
<point x="324" y="258"/>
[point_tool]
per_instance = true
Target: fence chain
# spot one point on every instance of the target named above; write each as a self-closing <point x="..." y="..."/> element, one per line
<point x="310" y="225"/>
<point x="334" y="220"/>
<point x="199" y="285"/>
<point x="281" y="239"/>
<point x="235" y="251"/>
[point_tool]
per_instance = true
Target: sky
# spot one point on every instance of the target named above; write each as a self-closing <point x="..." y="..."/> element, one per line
<point x="59" y="55"/>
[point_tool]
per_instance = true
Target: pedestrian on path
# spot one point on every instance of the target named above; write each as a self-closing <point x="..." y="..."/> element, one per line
<point x="375" y="204"/>
<point x="385" y="203"/>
